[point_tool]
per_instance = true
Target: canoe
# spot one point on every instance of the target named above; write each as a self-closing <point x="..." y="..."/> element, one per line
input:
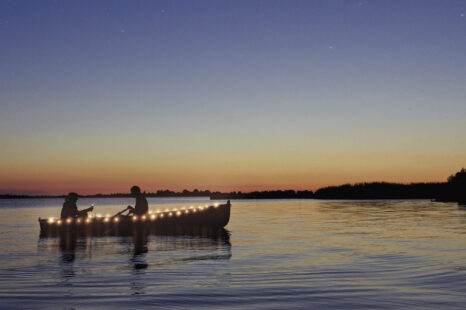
<point x="190" y="220"/>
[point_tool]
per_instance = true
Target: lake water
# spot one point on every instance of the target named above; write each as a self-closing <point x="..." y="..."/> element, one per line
<point x="280" y="254"/>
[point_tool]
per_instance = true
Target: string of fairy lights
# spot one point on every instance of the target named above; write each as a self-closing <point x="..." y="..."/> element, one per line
<point x="150" y="216"/>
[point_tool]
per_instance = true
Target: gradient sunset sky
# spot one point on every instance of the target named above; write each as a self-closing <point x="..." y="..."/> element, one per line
<point x="97" y="96"/>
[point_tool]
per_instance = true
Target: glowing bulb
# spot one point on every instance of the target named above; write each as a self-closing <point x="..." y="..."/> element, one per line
<point x="59" y="222"/>
<point x="186" y="212"/>
<point x="201" y="208"/>
<point x="216" y="205"/>
<point x="51" y="220"/>
<point x="98" y="215"/>
<point x="68" y="221"/>
<point x="153" y="216"/>
<point x="106" y="219"/>
<point x="183" y="208"/>
<point x="116" y="219"/>
<point x="143" y="217"/>
<point x="161" y="216"/>
<point x="166" y="210"/>
<point x="88" y="220"/>
<point x="158" y="211"/>
<point x="170" y="214"/>
<point x="135" y="218"/>
<point x="178" y="213"/>
<point x="191" y="207"/>
<point x="194" y="210"/>
<point x="78" y="221"/>
<point x="150" y="212"/>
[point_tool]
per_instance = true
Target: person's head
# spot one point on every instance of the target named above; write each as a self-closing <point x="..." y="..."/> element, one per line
<point x="73" y="197"/>
<point x="135" y="190"/>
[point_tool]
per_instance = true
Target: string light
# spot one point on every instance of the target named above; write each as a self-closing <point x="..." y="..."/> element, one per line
<point x="152" y="215"/>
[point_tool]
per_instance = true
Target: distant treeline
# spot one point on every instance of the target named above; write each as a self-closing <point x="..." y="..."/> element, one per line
<point x="279" y="194"/>
<point x="159" y="193"/>
<point x="452" y="190"/>
<point x="375" y="190"/>
<point x="381" y="190"/>
<point x="13" y="196"/>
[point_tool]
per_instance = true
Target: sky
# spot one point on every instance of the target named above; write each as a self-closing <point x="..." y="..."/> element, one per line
<point x="96" y="96"/>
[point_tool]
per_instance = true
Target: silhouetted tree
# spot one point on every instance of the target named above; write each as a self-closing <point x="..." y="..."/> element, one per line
<point x="458" y="178"/>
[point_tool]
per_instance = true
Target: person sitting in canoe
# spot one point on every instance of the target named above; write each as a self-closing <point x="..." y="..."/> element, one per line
<point x="70" y="209"/>
<point x="141" y="207"/>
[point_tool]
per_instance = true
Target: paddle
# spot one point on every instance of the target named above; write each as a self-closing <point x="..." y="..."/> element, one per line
<point x="83" y="213"/>
<point x="121" y="212"/>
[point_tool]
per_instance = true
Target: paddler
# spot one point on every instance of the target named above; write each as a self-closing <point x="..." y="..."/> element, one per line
<point x="141" y="207"/>
<point x="70" y="209"/>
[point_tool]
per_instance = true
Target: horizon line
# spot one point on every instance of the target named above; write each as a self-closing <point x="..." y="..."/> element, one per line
<point x="207" y="190"/>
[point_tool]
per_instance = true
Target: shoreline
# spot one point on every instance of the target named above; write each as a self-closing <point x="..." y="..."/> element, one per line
<point x="450" y="191"/>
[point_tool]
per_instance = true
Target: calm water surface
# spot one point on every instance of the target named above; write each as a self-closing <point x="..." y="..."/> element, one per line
<point x="283" y="253"/>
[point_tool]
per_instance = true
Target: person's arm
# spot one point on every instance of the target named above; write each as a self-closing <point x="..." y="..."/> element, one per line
<point x="84" y="212"/>
<point x="89" y="209"/>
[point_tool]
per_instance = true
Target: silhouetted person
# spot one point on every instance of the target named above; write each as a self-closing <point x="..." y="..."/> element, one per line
<point x="70" y="209"/>
<point x="141" y="207"/>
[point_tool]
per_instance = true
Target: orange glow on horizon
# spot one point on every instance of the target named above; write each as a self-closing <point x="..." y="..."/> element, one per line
<point x="224" y="170"/>
<point x="88" y="186"/>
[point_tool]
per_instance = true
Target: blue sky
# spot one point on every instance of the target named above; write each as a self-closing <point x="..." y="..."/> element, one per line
<point x="166" y="88"/>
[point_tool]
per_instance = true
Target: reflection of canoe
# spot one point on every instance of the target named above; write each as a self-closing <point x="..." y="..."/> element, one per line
<point x="193" y="220"/>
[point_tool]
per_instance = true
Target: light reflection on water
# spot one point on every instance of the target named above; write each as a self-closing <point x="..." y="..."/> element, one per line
<point x="286" y="253"/>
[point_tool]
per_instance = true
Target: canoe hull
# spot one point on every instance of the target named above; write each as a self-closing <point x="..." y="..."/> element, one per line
<point x="189" y="221"/>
